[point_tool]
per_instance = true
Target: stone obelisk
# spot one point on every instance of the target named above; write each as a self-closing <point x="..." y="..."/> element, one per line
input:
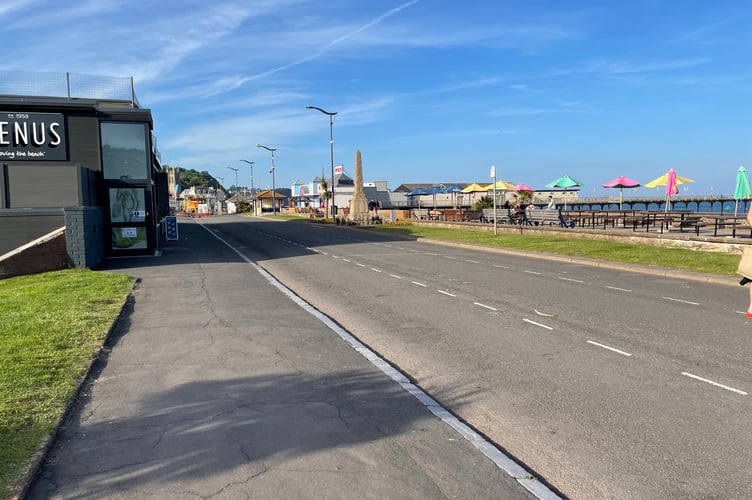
<point x="358" y="203"/>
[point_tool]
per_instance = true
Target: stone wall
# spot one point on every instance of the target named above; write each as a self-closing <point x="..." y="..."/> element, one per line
<point x="85" y="238"/>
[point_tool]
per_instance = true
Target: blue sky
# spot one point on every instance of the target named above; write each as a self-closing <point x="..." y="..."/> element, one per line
<point x="427" y="90"/>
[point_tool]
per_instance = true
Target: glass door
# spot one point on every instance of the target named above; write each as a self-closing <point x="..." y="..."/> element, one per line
<point x="130" y="220"/>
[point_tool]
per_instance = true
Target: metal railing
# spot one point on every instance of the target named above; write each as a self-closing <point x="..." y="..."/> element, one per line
<point x="70" y="85"/>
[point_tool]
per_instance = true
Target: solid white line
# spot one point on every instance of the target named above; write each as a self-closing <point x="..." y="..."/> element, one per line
<point x="472" y="261"/>
<point x="570" y="279"/>
<point x="609" y="348"/>
<point x="682" y="301"/>
<point x="419" y="284"/>
<point x="715" y="383"/>
<point x="395" y="276"/>
<point x="503" y="461"/>
<point x="377" y="270"/>
<point x="537" y="324"/>
<point x="532" y="272"/>
<point x="484" y="305"/>
<point x="619" y="289"/>
<point x="446" y="293"/>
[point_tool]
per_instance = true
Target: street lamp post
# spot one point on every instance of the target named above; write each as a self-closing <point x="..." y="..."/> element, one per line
<point x="274" y="188"/>
<point x="236" y="179"/>
<point x="252" y="200"/>
<point x="331" y="145"/>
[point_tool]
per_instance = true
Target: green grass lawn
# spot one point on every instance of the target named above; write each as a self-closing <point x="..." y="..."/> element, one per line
<point x="51" y="326"/>
<point x="675" y="258"/>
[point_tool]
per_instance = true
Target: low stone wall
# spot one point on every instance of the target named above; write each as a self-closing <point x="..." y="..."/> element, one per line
<point x="667" y="240"/>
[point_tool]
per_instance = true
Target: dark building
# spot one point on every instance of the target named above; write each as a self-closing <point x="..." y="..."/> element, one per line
<point x="90" y="165"/>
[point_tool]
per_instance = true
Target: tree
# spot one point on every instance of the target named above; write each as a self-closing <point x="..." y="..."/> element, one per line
<point x="484" y="202"/>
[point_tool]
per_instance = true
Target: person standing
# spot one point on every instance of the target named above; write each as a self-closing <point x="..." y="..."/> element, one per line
<point x="551" y="205"/>
<point x="745" y="279"/>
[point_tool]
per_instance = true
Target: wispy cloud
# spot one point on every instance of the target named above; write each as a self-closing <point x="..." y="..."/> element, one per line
<point x="319" y="52"/>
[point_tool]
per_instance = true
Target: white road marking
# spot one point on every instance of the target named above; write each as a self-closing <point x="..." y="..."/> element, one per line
<point x="570" y="279"/>
<point x="335" y="257"/>
<point x="714" y="383"/>
<point x="532" y="272"/>
<point x="346" y="260"/>
<point x="484" y="305"/>
<point x="432" y="254"/>
<point x="377" y="270"/>
<point x="446" y="293"/>
<point x="359" y="264"/>
<point x="618" y="289"/>
<point x="323" y="253"/>
<point x="537" y="324"/>
<point x="545" y="315"/>
<point x="419" y="284"/>
<point x="623" y="353"/>
<point x="472" y="261"/>
<point x="450" y="257"/>
<point x="501" y="267"/>
<point x="395" y="276"/>
<point x="682" y="301"/>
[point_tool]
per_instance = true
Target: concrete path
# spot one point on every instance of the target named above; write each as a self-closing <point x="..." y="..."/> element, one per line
<point x="216" y="384"/>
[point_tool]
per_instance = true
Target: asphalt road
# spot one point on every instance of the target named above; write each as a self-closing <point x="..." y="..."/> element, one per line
<point x="607" y="383"/>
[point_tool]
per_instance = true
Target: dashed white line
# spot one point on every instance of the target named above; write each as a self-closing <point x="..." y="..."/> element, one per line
<point x="446" y="293"/>
<point x="532" y="272"/>
<point x="714" y="383"/>
<point x="682" y="301"/>
<point x="501" y="267"/>
<point x="450" y="257"/>
<point x="537" y="324"/>
<point x="419" y="284"/>
<point x="376" y="270"/>
<point x="623" y="353"/>
<point x="432" y="254"/>
<point x="322" y="253"/>
<point x="570" y="279"/>
<point x="618" y="289"/>
<point x="472" y="261"/>
<point x="335" y="257"/>
<point x="484" y="305"/>
<point x="359" y="264"/>
<point x="346" y="260"/>
<point x="395" y="276"/>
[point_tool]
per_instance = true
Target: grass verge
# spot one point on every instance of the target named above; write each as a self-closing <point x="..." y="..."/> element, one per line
<point x="631" y="253"/>
<point x="51" y="326"/>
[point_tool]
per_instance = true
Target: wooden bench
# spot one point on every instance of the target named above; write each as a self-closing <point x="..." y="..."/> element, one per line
<point x="501" y="215"/>
<point x="549" y="218"/>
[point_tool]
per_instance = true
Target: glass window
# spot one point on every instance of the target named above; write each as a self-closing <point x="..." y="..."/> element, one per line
<point x="124" y="238"/>
<point x="124" y="151"/>
<point x="127" y="205"/>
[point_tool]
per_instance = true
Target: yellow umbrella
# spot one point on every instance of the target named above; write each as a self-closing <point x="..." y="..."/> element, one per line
<point x="472" y="188"/>
<point x="500" y="186"/>
<point x="663" y="180"/>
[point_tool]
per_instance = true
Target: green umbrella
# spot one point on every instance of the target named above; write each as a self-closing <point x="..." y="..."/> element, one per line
<point x="742" y="190"/>
<point x="565" y="182"/>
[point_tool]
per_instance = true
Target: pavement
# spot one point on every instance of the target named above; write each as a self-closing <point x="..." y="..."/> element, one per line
<point x="218" y="382"/>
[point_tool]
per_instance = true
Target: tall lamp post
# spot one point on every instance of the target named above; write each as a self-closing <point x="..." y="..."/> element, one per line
<point x="331" y="145"/>
<point x="236" y="179"/>
<point x="254" y="201"/>
<point x="274" y="188"/>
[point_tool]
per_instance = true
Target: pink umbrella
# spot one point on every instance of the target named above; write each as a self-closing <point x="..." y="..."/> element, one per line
<point x="523" y="187"/>
<point x="621" y="182"/>
<point x="671" y="181"/>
